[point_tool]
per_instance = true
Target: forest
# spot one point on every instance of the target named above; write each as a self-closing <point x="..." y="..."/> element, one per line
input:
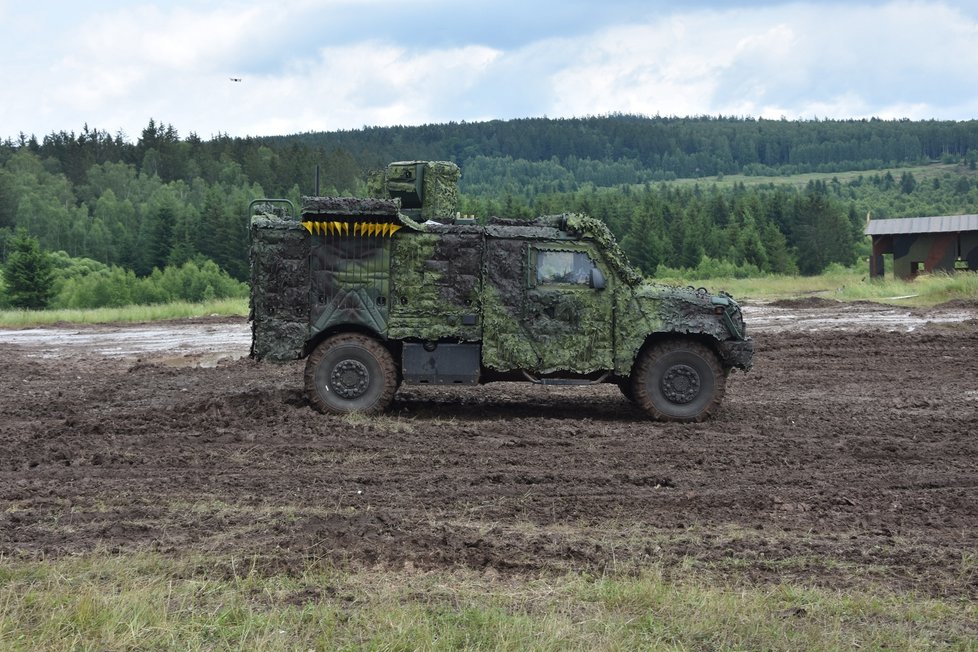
<point x="111" y="216"/>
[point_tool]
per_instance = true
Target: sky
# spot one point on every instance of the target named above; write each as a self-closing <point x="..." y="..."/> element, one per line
<point x="327" y="65"/>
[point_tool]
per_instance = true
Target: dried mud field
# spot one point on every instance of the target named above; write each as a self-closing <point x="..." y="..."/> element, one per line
<point x="849" y="454"/>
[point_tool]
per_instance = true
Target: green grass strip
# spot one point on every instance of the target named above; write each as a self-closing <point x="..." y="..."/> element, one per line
<point x="848" y="285"/>
<point x="130" y="314"/>
<point x="150" y="602"/>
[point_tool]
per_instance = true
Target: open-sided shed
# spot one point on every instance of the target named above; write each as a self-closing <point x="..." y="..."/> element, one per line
<point x="924" y="244"/>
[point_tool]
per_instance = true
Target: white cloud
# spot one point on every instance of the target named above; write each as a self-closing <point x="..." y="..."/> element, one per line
<point x="382" y="84"/>
<point x="795" y="60"/>
<point x="141" y="52"/>
<point x="115" y="64"/>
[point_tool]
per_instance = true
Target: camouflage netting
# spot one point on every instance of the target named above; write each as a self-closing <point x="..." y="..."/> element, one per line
<point x="279" y="288"/>
<point x="349" y="207"/>
<point x="598" y="230"/>
<point x="435" y="280"/>
<point x="439" y="186"/>
<point x="440" y="190"/>
<point x="548" y="227"/>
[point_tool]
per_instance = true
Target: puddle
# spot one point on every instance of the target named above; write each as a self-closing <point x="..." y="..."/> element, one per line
<point x="763" y="318"/>
<point x="199" y="345"/>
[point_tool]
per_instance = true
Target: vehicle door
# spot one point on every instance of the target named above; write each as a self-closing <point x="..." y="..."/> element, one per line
<point x="567" y="308"/>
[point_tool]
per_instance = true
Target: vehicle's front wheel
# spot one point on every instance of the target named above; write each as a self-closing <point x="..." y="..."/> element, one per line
<point x="350" y="373"/>
<point x="678" y="380"/>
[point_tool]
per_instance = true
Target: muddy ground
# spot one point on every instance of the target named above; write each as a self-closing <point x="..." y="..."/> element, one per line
<point x="848" y="455"/>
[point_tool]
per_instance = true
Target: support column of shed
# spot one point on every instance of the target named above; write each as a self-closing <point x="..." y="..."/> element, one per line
<point x="882" y="244"/>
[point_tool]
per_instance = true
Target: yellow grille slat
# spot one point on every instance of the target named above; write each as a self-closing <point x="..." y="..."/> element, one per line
<point x="363" y="229"/>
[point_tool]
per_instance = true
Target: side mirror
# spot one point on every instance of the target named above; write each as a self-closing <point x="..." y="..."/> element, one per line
<point x="597" y="279"/>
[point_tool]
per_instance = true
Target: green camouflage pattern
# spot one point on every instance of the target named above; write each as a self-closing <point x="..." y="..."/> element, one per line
<point x="569" y="322"/>
<point x="440" y="190"/>
<point x="426" y="189"/>
<point x="594" y="229"/>
<point x="436" y="283"/>
<point x="349" y="261"/>
<point x="657" y="308"/>
<point x="365" y="265"/>
<point x="279" y="307"/>
<point x="505" y="345"/>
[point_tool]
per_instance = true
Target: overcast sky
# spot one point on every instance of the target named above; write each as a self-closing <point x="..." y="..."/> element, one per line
<point x="323" y="65"/>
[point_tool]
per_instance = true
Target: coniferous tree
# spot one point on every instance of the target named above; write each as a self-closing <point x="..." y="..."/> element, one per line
<point x="824" y="234"/>
<point x="643" y="243"/>
<point x="749" y="246"/>
<point x="780" y="260"/>
<point x="907" y="183"/>
<point x="28" y="273"/>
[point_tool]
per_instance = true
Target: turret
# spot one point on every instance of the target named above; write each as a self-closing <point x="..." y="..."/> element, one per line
<point x="427" y="190"/>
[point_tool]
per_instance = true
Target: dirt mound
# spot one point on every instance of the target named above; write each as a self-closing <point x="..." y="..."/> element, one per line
<point x="958" y="304"/>
<point x="805" y="303"/>
<point x="842" y="456"/>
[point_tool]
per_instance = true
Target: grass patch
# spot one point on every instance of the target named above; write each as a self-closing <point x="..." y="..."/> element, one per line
<point x="147" y="601"/>
<point x="921" y="173"/>
<point x="130" y="314"/>
<point x="847" y="284"/>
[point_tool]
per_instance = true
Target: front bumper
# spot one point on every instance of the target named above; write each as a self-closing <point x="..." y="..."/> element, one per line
<point x="737" y="353"/>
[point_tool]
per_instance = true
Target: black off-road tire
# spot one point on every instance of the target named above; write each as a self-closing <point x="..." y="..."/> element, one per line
<point x="350" y="373"/>
<point x="678" y="380"/>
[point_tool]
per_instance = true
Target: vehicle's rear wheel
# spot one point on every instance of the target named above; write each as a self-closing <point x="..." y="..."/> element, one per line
<point x="350" y="373"/>
<point x="678" y="380"/>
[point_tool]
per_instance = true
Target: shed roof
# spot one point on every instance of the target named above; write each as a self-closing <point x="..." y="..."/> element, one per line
<point x="938" y="224"/>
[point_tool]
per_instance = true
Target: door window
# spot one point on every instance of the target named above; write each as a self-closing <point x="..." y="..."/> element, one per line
<point x="561" y="267"/>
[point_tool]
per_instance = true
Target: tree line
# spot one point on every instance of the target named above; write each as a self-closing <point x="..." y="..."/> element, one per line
<point x="714" y="229"/>
<point x="166" y="202"/>
<point x="607" y="150"/>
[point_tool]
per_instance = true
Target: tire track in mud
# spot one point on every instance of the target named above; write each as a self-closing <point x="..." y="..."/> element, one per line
<point x="842" y="456"/>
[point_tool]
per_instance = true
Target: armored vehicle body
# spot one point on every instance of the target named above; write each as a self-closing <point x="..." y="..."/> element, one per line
<point x="396" y="289"/>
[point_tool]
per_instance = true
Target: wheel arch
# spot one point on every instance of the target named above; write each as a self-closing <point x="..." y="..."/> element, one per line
<point x="391" y="345"/>
<point x="663" y="336"/>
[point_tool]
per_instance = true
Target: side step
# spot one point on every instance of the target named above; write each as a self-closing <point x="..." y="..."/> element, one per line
<point x="566" y="381"/>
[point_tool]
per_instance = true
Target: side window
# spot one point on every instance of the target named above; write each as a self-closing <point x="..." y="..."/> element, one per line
<point x="564" y="267"/>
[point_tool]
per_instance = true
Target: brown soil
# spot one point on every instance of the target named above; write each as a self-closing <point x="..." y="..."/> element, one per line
<point x="842" y="457"/>
<point x="805" y="303"/>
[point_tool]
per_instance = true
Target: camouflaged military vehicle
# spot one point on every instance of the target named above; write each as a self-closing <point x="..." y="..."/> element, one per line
<point x="397" y="289"/>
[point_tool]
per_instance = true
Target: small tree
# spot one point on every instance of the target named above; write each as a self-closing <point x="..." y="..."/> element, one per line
<point x="29" y="273"/>
<point x="907" y="183"/>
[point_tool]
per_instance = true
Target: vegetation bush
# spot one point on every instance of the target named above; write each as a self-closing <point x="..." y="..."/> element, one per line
<point x="710" y="268"/>
<point x="83" y="283"/>
<point x="113" y="286"/>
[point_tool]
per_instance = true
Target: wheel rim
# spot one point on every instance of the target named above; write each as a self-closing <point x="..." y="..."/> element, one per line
<point x="680" y="384"/>
<point x="349" y="379"/>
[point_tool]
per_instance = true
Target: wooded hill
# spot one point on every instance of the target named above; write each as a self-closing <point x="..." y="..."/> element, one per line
<point x="164" y="199"/>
